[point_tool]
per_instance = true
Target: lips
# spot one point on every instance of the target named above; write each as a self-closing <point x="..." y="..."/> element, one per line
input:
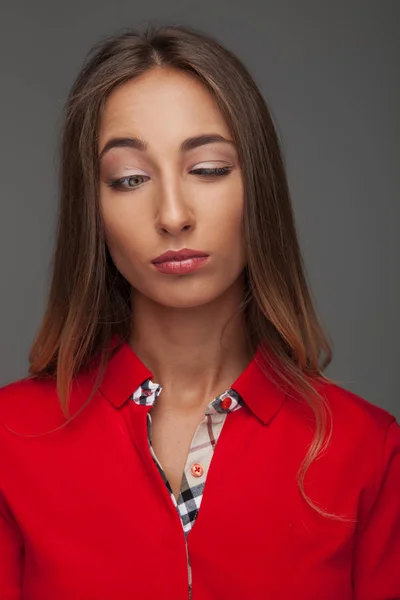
<point x="180" y="262"/>
<point x="178" y="255"/>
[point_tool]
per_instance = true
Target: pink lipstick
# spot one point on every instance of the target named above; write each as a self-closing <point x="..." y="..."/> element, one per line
<point x="180" y="262"/>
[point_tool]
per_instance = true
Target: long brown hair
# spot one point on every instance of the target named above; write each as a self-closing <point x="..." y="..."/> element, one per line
<point x="89" y="300"/>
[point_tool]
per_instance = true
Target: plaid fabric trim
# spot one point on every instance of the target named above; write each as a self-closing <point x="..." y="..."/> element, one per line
<point x="146" y="393"/>
<point x="201" y="451"/>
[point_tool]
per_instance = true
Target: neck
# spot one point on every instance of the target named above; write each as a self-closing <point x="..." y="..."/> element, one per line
<point x="194" y="353"/>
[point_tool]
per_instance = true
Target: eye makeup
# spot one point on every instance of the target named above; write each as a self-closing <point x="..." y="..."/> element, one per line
<point x="117" y="184"/>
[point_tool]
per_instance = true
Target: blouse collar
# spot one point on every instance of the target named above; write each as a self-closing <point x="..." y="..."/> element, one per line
<point x="125" y="374"/>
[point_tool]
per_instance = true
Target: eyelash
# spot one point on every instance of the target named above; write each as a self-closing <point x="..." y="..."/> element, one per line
<point x="202" y="172"/>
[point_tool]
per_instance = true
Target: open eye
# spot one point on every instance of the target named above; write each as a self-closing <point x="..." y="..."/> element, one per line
<point x="133" y="182"/>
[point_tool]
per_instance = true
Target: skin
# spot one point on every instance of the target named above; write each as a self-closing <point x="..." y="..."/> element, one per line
<point x="186" y="328"/>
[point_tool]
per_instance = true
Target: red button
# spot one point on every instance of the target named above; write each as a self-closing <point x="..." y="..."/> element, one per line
<point x="197" y="470"/>
<point x="226" y="402"/>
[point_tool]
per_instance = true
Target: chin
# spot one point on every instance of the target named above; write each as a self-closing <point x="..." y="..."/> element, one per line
<point x="190" y="292"/>
<point x="186" y="294"/>
<point x="186" y="300"/>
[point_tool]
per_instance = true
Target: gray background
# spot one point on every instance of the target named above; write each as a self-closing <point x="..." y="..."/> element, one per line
<point x="329" y="71"/>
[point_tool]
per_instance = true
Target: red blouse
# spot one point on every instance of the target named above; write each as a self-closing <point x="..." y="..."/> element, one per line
<point x="85" y="513"/>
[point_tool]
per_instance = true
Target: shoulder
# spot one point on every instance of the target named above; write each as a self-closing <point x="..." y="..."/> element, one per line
<point x="360" y="427"/>
<point x="28" y="401"/>
<point x="25" y="392"/>
<point x="33" y="403"/>
<point x="348" y="406"/>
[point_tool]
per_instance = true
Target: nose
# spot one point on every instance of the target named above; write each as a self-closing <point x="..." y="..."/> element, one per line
<point x="174" y="212"/>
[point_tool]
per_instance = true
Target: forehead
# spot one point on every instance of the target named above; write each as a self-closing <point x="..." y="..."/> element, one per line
<point x="162" y="104"/>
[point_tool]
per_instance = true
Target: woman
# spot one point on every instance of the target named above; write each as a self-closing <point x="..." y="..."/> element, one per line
<point x="176" y="435"/>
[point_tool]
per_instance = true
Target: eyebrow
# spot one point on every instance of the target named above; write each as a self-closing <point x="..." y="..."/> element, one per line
<point x="186" y="145"/>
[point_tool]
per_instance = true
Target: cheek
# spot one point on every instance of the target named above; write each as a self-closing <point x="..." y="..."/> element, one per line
<point x="225" y="221"/>
<point x="125" y="229"/>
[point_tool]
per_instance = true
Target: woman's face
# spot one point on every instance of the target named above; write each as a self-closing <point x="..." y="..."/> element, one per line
<point x="162" y="202"/>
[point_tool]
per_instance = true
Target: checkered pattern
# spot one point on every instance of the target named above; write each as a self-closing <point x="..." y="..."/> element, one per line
<point x="201" y="451"/>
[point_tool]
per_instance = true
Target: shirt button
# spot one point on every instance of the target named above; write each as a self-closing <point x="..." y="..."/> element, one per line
<point x="197" y="470"/>
<point x="226" y="402"/>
